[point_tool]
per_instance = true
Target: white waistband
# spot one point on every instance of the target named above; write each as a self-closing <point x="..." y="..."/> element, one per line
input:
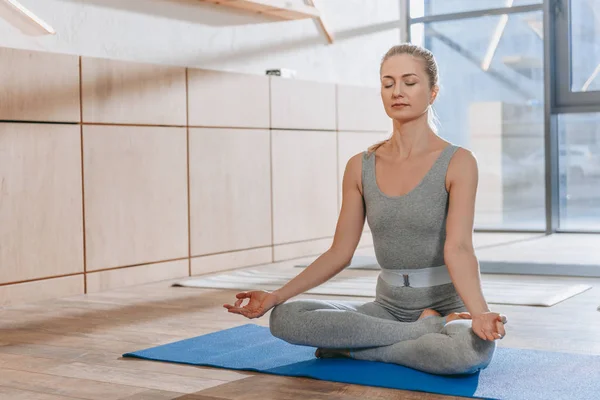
<point x="422" y="277"/>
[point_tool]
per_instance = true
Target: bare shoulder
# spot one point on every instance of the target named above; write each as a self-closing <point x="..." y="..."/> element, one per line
<point x="353" y="172"/>
<point x="463" y="167"/>
<point x="355" y="162"/>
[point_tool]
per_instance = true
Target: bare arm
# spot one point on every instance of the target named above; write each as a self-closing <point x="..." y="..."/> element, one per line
<point x="459" y="252"/>
<point x="347" y="235"/>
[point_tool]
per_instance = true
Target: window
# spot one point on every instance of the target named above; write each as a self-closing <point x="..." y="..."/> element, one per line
<point x="425" y="8"/>
<point x="492" y="102"/>
<point x="585" y="45"/>
<point x="520" y="86"/>
<point x="579" y="171"/>
<point x="576" y="51"/>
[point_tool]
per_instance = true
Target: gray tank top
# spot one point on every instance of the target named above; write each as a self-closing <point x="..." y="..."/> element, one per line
<point x="408" y="231"/>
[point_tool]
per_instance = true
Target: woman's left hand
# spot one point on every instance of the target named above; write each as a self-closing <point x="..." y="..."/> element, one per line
<point x="489" y="325"/>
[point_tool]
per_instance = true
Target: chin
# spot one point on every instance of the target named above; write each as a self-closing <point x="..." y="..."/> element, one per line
<point x="402" y="115"/>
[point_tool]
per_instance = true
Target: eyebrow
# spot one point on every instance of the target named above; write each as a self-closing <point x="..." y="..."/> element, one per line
<point x="403" y="76"/>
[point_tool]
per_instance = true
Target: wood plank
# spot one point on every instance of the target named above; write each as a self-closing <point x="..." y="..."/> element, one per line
<point x="155" y="395"/>
<point x="58" y="340"/>
<point x="287" y="388"/>
<point x="64" y="386"/>
<point x="137" y="378"/>
<point x="277" y="8"/>
<point x="17" y="394"/>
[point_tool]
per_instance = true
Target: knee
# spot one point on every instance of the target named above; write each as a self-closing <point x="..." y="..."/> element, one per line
<point x="472" y="353"/>
<point x="282" y="319"/>
<point x="276" y="320"/>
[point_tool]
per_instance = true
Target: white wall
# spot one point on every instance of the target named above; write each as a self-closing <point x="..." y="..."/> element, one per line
<point x="193" y="34"/>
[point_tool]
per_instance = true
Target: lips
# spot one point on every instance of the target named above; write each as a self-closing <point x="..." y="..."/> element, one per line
<point x="399" y="105"/>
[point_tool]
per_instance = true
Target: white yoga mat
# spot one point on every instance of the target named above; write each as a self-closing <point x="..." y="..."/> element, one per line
<point x="496" y="292"/>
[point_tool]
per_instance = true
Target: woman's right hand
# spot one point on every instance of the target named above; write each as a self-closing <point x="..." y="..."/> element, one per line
<point x="259" y="303"/>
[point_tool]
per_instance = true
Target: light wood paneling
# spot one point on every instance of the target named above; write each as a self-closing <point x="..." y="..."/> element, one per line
<point x="361" y="109"/>
<point x="301" y="249"/>
<point x="135" y="195"/>
<point x="31" y="292"/>
<point x="41" y="233"/>
<point x="228" y="99"/>
<point x="122" y="92"/>
<point x="225" y="261"/>
<point x="230" y="190"/>
<point x="350" y="144"/>
<point x="122" y="277"/>
<point x="38" y="86"/>
<point x="297" y="104"/>
<point x="304" y="185"/>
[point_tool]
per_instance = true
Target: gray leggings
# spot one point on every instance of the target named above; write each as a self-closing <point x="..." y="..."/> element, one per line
<point x="371" y="332"/>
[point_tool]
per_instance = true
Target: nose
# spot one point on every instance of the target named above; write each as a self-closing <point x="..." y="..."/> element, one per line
<point x="397" y="92"/>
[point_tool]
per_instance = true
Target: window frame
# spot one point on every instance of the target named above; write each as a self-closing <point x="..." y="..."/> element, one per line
<point x="566" y="100"/>
<point x="558" y="96"/>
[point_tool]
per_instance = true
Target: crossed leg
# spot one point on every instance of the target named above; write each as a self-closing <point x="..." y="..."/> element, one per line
<point x="369" y="332"/>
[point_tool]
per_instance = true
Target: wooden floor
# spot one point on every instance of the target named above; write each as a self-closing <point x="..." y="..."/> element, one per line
<point x="71" y="348"/>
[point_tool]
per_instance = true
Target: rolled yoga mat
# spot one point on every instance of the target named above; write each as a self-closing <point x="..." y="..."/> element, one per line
<point x="512" y="374"/>
<point x="496" y="292"/>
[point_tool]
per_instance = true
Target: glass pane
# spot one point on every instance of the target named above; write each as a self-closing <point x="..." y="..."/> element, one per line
<point x="585" y="45"/>
<point x="491" y="101"/>
<point x="422" y="8"/>
<point x="579" y="169"/>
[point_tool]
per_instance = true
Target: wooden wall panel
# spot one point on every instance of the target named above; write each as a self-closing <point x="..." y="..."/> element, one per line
<point x="304" y="185"/>
<point x="297" y="104"/>
<point x="47" y="289"/>
<point x="135" y="195"/>
<point x="117" y="278"/>
<point x="230" y="260"/>
<point x="226" y="99"/>
<point x="361" y="109"/>
<point x="38" y="86"/>
<point x="230" y="190"/>
<point x="291" y="251"/>
<point x="41" y="233"/>
<point x="121" y="92"/>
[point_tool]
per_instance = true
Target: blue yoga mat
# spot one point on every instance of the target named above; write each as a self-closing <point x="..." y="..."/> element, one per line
<point x="513" y="373"/>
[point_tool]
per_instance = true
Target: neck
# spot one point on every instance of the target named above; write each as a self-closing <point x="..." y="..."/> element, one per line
<point x="412" y="137"/>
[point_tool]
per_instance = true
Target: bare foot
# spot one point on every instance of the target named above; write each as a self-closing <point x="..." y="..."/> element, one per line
<point x="453" y="316"/>
<point x="428" y="312"/>
<point x="332" y="353"/>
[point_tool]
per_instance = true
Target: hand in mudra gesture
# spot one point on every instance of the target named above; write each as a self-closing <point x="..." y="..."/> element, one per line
<point x="489" y="325"/>
<point x="259" y="302"/>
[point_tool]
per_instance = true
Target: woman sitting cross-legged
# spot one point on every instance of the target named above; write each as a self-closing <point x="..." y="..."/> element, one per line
<point x="417" y="192"/>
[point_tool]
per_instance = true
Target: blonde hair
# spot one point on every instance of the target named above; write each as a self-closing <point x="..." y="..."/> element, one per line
<point x="431" y="69"/>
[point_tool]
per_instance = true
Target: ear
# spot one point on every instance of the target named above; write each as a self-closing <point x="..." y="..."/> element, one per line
<point x="434" y="92"/>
